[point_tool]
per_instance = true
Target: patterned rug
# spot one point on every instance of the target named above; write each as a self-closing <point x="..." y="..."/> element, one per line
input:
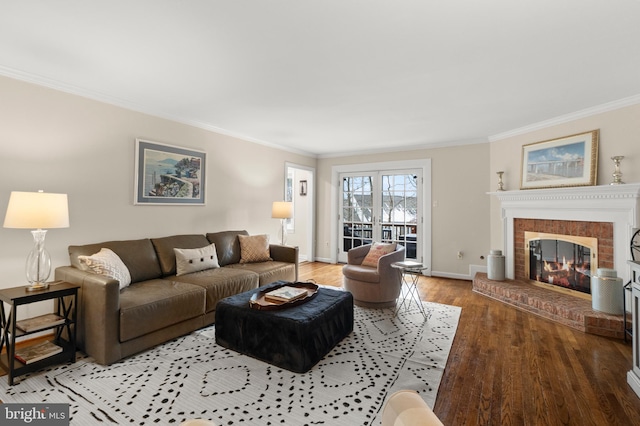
<point x="193" y="377"/>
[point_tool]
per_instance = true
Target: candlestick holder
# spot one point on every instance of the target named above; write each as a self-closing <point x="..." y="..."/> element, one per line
<point x="500" y="184"/>
<point x="617" y="174"/>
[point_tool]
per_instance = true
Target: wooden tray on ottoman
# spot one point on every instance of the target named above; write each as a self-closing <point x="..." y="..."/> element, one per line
<point x="258" y="300"/>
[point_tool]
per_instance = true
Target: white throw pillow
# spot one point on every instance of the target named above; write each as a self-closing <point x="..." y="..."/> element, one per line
<point x="109" y="264"/>
<point x="194" y="260"/>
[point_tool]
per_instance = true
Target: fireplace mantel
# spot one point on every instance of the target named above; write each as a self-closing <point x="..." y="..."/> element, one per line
<point x="618" y="204"/>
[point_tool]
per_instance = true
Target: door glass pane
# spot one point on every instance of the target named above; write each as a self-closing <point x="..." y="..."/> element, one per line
<point x="357" y="200"/>
<point x="382" y="206"/>
<point x="399" y="211"/>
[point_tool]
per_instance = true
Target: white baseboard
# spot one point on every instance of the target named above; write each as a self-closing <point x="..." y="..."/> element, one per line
<point x="450" y="275"/>
<point x="473" y="269"/>
<point x="633" y="381"/>
<point x="324" y="260"/>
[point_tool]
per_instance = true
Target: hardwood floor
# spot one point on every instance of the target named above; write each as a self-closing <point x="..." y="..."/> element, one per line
<point x="509" y="367"/>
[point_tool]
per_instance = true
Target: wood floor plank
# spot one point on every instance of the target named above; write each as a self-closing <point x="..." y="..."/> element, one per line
<point x="509" y="367"/>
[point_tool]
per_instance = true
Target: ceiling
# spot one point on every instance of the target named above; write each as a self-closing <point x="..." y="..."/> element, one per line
<point x="332" y="77"/>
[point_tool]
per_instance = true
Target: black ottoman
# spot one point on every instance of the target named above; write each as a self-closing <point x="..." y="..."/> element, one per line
<point x="294" y="338"/>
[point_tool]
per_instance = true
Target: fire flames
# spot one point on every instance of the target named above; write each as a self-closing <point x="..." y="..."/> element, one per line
<point x="564" y="266"/>
<point x="560" y="263"/>
<point x="560" y="273"/>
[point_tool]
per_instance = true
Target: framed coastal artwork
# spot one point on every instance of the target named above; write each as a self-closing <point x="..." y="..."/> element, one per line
<point x="567" y="161"/>
<point x="169" y="175"/>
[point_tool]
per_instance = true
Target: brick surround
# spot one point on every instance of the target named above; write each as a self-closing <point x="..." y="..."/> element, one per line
<point x="603" y="231"/>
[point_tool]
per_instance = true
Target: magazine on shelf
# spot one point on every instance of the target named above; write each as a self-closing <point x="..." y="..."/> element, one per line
<point x="37" y="352"/>
<point x="285" y="294"/>
<point x="40" y="322"/>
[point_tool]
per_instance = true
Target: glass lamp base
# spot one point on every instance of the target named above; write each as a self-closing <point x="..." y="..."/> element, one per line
<point x="38" y="286"/>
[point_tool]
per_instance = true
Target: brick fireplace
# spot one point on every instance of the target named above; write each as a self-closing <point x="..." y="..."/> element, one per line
<point x="602" y="231"/>
<point x="609" y="213"/>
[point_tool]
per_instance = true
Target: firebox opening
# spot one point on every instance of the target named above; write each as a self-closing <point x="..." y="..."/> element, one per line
<point x="561" y="262"/>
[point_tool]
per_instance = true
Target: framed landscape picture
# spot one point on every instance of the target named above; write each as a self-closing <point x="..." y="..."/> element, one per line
<point x="167" y="174"/>
<point x="568" y="161"/>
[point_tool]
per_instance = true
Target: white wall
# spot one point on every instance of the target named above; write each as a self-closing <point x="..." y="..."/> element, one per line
<point x="460" y="219"/>
<point x="65" y="143"/>
<point x="60" y="142"/>
<point x="302" y="211"/>
<point x="619" y="135"/>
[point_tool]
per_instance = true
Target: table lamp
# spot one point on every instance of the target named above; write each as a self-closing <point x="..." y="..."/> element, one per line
<point x="37" y="210"/>
<point x="282" y="210"/>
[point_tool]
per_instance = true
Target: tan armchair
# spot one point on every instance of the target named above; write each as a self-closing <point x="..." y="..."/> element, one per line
<point x="373" y="287"/>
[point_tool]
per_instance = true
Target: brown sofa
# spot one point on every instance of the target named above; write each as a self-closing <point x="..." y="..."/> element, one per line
<point x="158" y="305"/>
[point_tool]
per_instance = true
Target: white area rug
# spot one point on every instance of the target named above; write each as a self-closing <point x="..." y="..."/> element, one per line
<point x="193" y="377"/>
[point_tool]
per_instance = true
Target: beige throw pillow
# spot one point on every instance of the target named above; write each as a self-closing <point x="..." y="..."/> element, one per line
<point x="254" y="248"/>
<point x="194" y="260"/>
<point x="109" y="264"/>
<point x="376" y="251"/>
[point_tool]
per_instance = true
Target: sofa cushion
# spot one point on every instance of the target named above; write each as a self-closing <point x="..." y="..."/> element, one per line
<point x="194" y="260"/>
<point x="227" y="246"/>
<point x="164" y="248"/>
<point x="139" y="257"/>
<point x="220" y="283"/>
<point x="107" y="263"/>
<point x="376" y="251"/>
<point x="254" y="248"/>
<point x="269" y="272"/>
<point x="155" y="304"/>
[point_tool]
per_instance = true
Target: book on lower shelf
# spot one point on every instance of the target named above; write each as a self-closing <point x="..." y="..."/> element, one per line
<point x="40" y="322"/>
<point x="285" y="294"/>
<point x="31" y="354"/>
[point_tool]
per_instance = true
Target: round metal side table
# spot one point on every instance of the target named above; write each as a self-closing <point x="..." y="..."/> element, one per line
<point x="411" y="272"/>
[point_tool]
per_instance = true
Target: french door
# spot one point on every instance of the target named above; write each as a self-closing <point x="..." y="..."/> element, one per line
<point x="383" y="206"/>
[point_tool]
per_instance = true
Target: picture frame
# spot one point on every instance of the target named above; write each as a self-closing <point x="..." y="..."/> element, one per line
<point x="562" y="162"/>
<point x="303" y="188"/>
<point x="168" y="174"/>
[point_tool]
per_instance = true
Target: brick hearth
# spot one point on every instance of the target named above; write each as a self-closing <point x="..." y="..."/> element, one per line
<point x="562" y="308"/>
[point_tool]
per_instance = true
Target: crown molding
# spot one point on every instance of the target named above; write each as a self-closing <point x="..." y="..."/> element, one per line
<point x="132" y="106"/>
<point x="403" y="148"/>
<point x="599" y="109"/>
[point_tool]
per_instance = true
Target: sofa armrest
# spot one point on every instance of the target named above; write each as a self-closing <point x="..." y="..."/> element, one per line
<point x="98" y="313"/>
<point x="287" y="254"/>
<point x="356" y="255"/>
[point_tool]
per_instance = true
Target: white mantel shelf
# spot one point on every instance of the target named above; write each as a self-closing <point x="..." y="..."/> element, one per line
<point x="600" y="192"/>
<point x="618" y="204"/>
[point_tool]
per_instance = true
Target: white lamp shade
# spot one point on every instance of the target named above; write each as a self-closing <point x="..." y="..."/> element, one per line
<point x="37" y="210"/>
<point x="282" y="210"/>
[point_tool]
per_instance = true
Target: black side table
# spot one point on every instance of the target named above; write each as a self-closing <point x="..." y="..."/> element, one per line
<point x="64" y="330"/>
